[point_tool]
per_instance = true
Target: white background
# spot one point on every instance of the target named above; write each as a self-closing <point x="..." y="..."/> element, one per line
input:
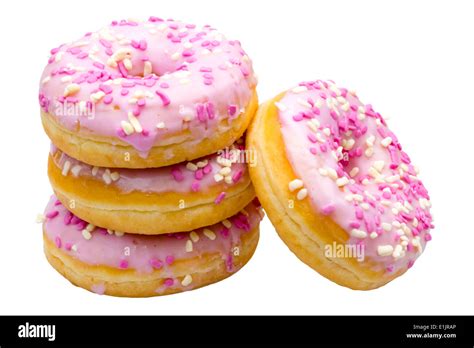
<point x="413" y="60"/>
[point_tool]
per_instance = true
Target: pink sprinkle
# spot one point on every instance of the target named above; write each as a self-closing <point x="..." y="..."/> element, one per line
<point x="200" y="112"/>
<point x="232" y="110"/>
<point x="224" y="232"/>
<point x="312" y="138"/>
<point x="58" y="202"/>
<point x="168" y="282"/>
<point x="105" y="88"/>
<point x="169" y="259"/>
<point x="428" y="237"/>
<point x="105" y="43"/>
<point x="67" y="218"/>
<point x="199" y="174"/>
<point x="108" y="99"/>
<point x="328" y="209"/>
<point x="410" y="263"/>
<point x="298" y="117"/>
<point x="177" y="174"/>
<point x="210" y="110"/>
<point x="220" y="198"/>
<point x="164" y="85"/>
<point x="143" y="45"/>
<point x="58" y="242"/>
<point x="164" y="98"/>
<point x="141" y="102"/>
<point x="389" y="269"/>
<point x="123" y="264"/>
<point x="237" y="175"/>
<point x="155" y="263"/>
<point x="354" y="224"/>
<point x="52" y="214"/>
<point x="188" y="52"/>
<point x="313" y="150"/>
<point x="98" y="65"/>
<point x="68" y="246"/>
<point x="359" y="213"/>
<point x="195" y="186"/>
<point x="207" y="169"/>
<point x="124" y="91"/>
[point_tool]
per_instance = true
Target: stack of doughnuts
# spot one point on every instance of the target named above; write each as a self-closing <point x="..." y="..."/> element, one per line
<point x="148" y="165"/>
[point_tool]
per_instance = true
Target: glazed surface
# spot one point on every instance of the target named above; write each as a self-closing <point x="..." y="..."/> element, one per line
<point x="352" y="168"/>
<point x="96" y="246"/>
<point x="226" y="168"/>
<point x="148" y="83"/>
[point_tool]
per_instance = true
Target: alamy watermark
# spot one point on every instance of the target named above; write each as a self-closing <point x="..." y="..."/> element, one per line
<point x="344" y="251"/>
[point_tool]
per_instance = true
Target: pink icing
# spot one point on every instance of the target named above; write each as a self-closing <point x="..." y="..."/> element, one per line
<point x="175" y="178"/>
<point x="139" y="252"/>
<point x="381" y="210"/>
<point x="198" y="78"/>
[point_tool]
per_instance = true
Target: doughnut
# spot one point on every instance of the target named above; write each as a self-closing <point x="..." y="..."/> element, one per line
<point x="176" y="198"/>
<point x="337" y="186"/>
<point x="131" y="265"/>
<point x="141" y="94"/>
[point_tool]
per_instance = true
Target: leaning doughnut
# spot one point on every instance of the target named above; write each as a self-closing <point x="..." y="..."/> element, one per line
<point x="337" y="186"/>
<point x="147" y="94"/>
<point x="140" y="266"/>
<point x="169" y="199"/>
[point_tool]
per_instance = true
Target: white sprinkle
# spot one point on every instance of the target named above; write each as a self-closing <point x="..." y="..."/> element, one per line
<point x="74" y="248"/>
<point x="46" y="80"/>
<point x="209" y="234"/>
<point x="373" y="235"/>
<point x="386" y="142"/>
<point x="397" y="253"/>
<point x="127" y="63"/>
<point x="187" y="280"/>
<point x="202" y="164"/>
<point x="119" y="234"/>
<point x="218" y="177"/>
<point x="332" y="173"/>
<point x="225" y="171"/>
<point x="94" y="170"/>
<point x="58" y="56"/>
<point x="365" y="206"/>
<point x="95" y="97"/>
<point x="386" y="226"/>
<point x="71" y="89"/>
<point x="147" y="68"/>
<point x="323" y="172"/>
<point x="66" y="167"/>
<point x="106" y="177"/>
<point x="302" y="194"/>
<point x="342" y="181"/>
<point x="66" y="78"/>
<point x="358" y="197"/>
<point x="109" y="231"/>
<point x="135" y="123"/>
<point x="194" y="237"/>
<point x="127" y="127"/>
<point x="369" y="151"/>
<point x="227" y="223"/>
<point x="358" y="233"/>
<point x="299" y="89"/>
<point x="191" y="166"/>
<point x="354" y="171"/>
<point x="40" y="218"/>
<point x="189" y="246"/>
<point x="90" y="227"/>
<point x="379" y="165"/>
<point x="304" y="103"/>
<point x="86" y="234"/>
<point x="114" y="176"/>
<point x="76" y="169"/>
<point x="385" y="250"/>
<point x="160" y="125"/>
<point x="370" y="141"/>
<point x="327" y="131"/>
<point x="295" y="184"/>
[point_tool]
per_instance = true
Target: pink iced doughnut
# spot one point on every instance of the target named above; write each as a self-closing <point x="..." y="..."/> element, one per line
<point x="343" y="181"/>
<point x="145" y="94"/>
<point x="118" y="264"/>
